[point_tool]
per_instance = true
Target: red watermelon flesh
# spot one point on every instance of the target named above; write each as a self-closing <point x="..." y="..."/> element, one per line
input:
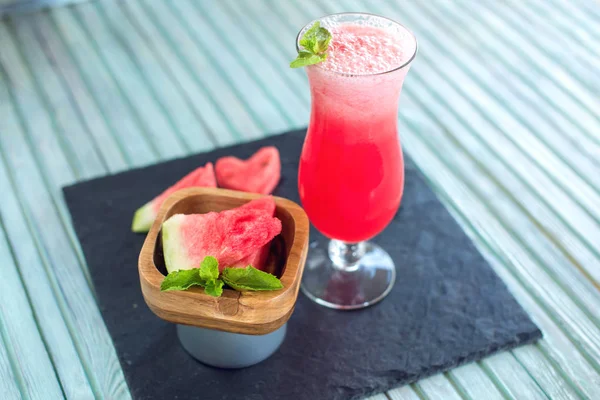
<point x="259" y="174"/>
<point x="229" y="236"/>
<point x="258" y="259"/>
<point x="145" y="215"/>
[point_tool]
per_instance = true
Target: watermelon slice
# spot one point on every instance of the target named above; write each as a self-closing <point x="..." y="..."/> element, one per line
<point x="259" y="174"/>
<point x="259" y="258"/>
<point x="229" y="236"/>
<point x="145" y="215"/>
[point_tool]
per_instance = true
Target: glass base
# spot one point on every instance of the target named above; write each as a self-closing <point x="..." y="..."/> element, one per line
<point x="347" y="276"/>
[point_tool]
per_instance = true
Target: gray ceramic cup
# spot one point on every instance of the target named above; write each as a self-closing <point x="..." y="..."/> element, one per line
<point x="226" y="349"/>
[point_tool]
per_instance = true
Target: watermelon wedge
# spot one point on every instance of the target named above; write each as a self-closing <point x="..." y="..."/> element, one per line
<point x="145" y="215"/>
<point x="230" y="236"/>
<point x="259" y="174"/>
<point x="259" y="258"/>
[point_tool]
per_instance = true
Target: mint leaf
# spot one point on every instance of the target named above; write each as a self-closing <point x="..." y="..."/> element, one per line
<point x="316" y="39"/>
<point x="323" y="38"/>
<point x="306" y="58"/>
<point x="181" y="280"/>
<point x="209" y="268"/>
<point x="315" y="42"/>
<point x="309" y="39"/>
<point x="250" y="278"/>
<point x="214" y="287"/>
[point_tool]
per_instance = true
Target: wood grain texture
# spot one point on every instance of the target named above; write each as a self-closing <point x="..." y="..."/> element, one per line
<point x="24" y="344"/>
<point x="33" y="269"/>
<point x="403" y="393"/>
<point x="512" y="378"/>
<point x="500" y="111"/>
<point x="254" y="313"/>
<point x="473" y="382"/>
<point x="9" y="386"/>
<point x="437" y="387"/>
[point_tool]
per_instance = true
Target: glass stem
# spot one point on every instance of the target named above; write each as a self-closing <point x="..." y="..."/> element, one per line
<point x="346" y="256"/>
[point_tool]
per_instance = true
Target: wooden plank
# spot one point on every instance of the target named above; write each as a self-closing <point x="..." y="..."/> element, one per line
<point x="555" y="347"/>
<point x="517" y="172"/>
<point x="37" y="283"/>
<point x="585" y="18"/>
<point x="522" y="84"/>
<point x="190" y="131"/>
<point x="40" y="129"/>
<point x="591" y="9"/>
<point x="15" y="74"/>
<point x="495" y="167"/>
<point x="41" y="207"/>
<point x="570" y="215"/>
<point x="565" y="24"/>
<point x="193" y="65"/>
<point x="92" y="86"/>
<point x="55" y="332"/>
<point x="141" y="103"/>
<point x="515" y="95"/>
<point x="512" y="378"/>
<point x="541" y="137"/>
<point x="258" y="95"/>
<point x="377" y="397"/>
<point x="540" y="62"/>
<point x="544" y="373"/>
<point x="473" y="217"/>
<point x="437" y="387"/>
<point x="403" y="393"/>
<point x="564" y="274"/>
<point x="276" y="31"/>
<point x="69" y="147"/>
<point x="76" y="145"/>
<point x="61" y="102"/>
<point x="280" y="30"/>
<point x="235" y="15"/>
<point x="574" y="57"/>
<point x="269" y="76"/>
<point x="25" y="346"/>
<point x="192" y="88"/>
<point x="492" y="46"/>
<point x="469" y="170"/>
<point x="252" y="96"/>
<point x="473" y="382"/>
<point x="8" y="381"/>
<point x="195" y="134"/>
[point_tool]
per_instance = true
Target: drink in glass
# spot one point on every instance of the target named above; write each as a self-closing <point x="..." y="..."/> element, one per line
<point x="351" y="173"/>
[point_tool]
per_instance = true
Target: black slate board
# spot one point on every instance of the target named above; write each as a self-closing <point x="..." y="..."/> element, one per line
<point x="447" y="307"/>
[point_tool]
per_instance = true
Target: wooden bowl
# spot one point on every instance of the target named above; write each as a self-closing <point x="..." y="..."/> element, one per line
<point x="252" y="313"/>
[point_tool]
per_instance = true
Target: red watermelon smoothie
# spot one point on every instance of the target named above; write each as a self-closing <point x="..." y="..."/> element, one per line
<point x="351" y="173"/>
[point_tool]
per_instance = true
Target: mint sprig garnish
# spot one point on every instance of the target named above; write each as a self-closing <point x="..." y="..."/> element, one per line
<point x="209" y="269"/>
<point x="181" y="280"/>
<point x="314" y="42"/>
<point x="208" y="277"/>
<point x="214" y="288"/>
<point x="250" y="278"/>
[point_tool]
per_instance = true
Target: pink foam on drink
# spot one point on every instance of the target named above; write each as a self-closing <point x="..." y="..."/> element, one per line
<point x="363" y="50"/>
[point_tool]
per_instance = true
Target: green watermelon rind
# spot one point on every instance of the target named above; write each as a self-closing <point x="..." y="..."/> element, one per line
<point x="175" y="254"/>
<point x="143" y="218"/>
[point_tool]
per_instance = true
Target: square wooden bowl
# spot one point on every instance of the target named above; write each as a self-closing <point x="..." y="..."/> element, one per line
<point x="253" y="313"/>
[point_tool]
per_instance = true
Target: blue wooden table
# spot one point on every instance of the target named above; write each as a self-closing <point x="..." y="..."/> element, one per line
<point x="501" y="111"/>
